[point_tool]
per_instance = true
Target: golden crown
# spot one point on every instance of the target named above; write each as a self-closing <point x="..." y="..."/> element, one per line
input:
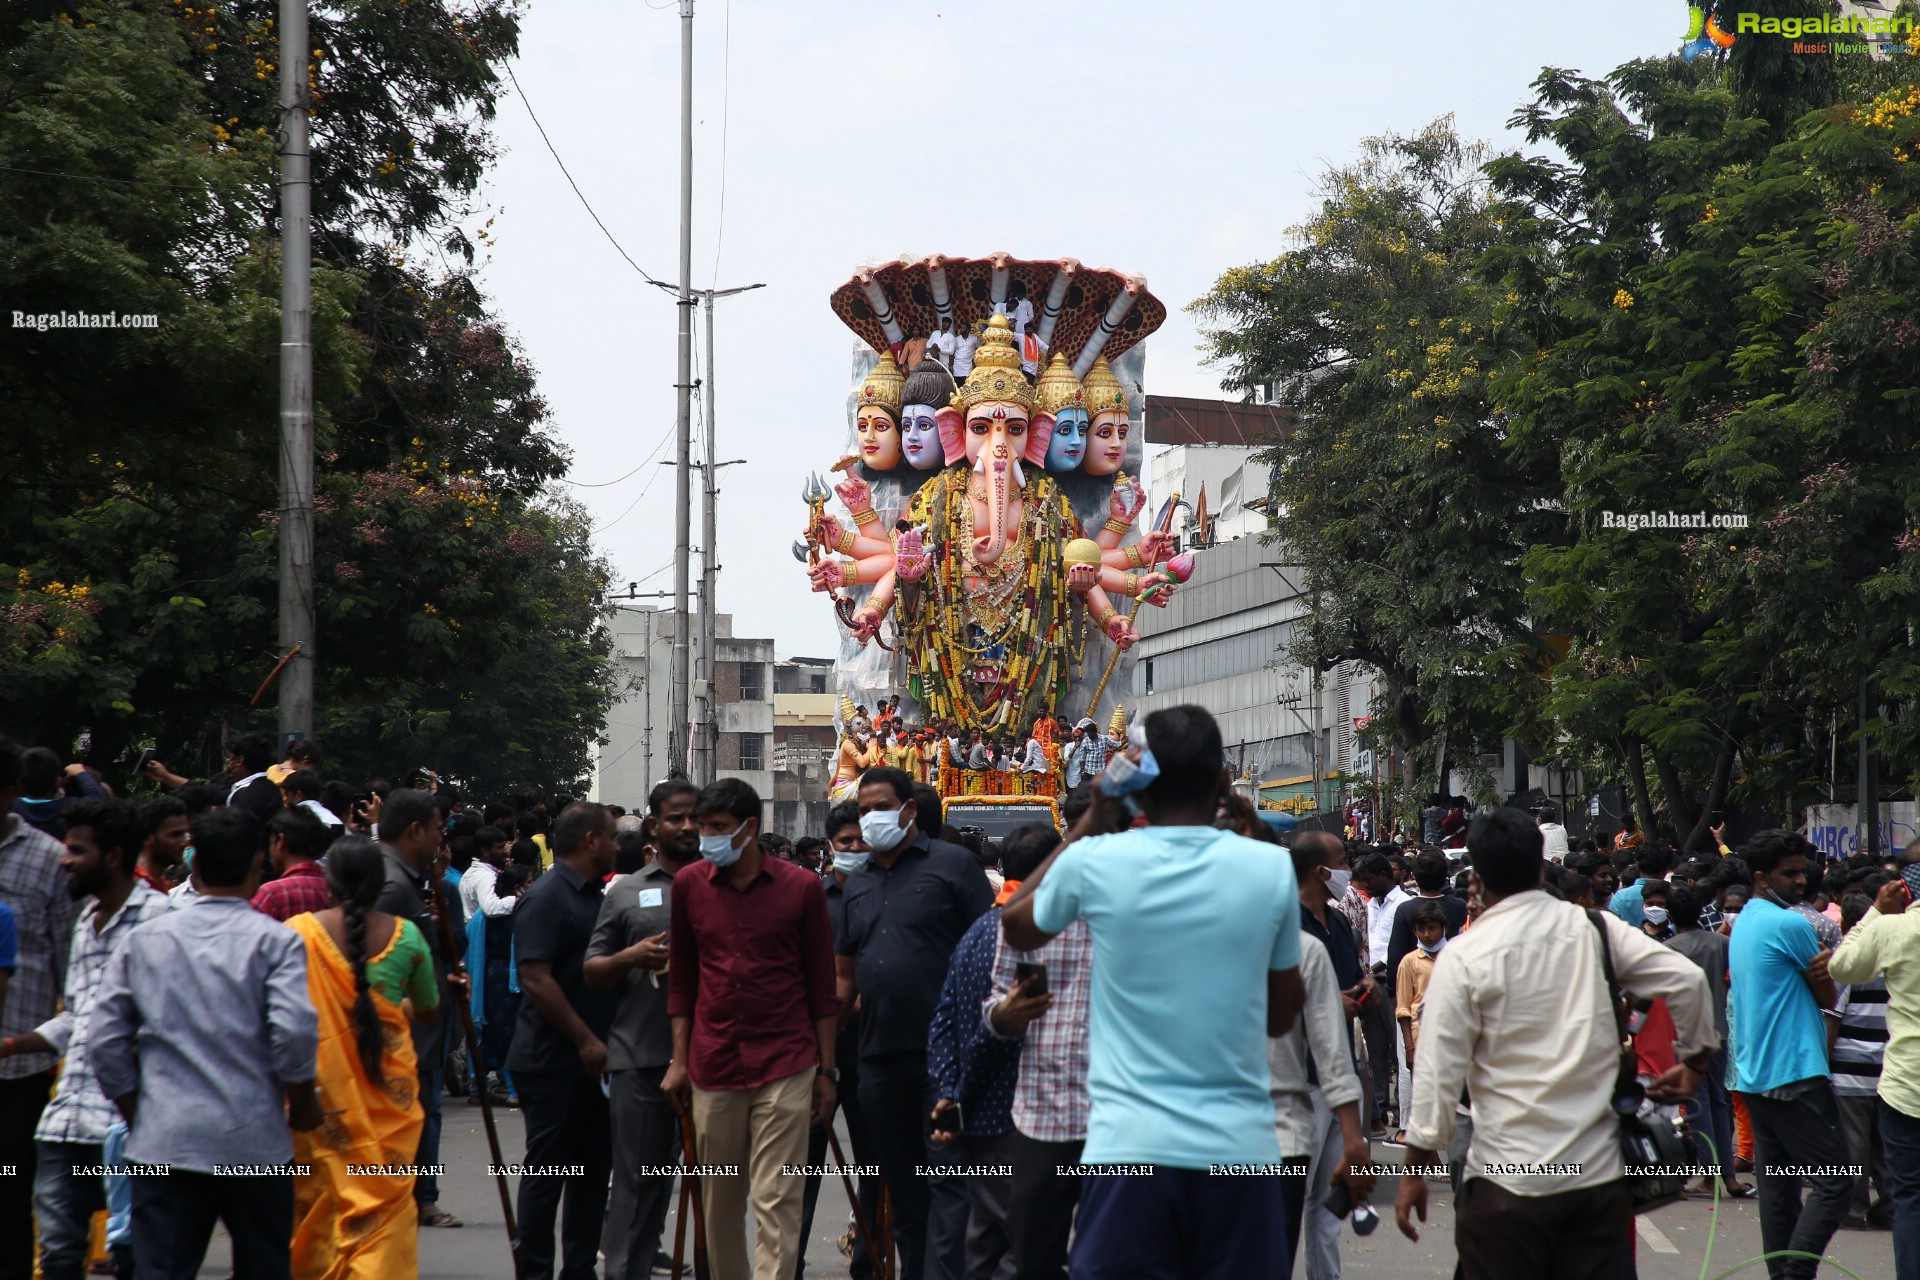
<point x="882" y="386"/>
<point x="996" y="371"/>
<point x="1104" y="392"/>
<point x="1118" y="724"/>
<point x="1058" y="389"/>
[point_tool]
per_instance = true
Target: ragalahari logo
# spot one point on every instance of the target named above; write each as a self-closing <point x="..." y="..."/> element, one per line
<point x="1704" y="33"/>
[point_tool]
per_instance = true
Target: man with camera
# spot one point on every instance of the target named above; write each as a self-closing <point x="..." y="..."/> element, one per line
<point x="1519" y="1013"/>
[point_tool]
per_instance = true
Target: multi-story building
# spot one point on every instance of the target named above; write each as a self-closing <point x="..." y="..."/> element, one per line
<point x="803" y="745"/>
<point x="638" y="752"/>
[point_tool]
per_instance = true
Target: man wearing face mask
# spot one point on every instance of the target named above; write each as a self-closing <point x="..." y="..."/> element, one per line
<point x="1327" y="1146"/>
<point x="849" y="854"/>
<point x="905" y="912"/>
<point x="751" y="995"/>
<point x="626" y="954"/>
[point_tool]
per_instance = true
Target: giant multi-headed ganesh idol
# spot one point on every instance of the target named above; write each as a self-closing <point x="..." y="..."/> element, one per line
<point x="974" y="474"/>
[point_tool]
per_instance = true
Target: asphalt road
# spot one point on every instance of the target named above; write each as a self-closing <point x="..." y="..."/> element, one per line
<point x="1673" y="1242"/>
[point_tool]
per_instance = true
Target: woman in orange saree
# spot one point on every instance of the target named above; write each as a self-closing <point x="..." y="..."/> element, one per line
<point x="354" y="1213"/>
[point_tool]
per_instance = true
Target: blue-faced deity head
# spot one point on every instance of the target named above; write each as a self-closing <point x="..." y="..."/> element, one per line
<point x="929" y="387"/>
<point x="1069" y="443"/>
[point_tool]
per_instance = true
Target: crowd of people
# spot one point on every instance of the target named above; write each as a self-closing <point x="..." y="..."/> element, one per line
<point x="1152" y="1044"/>
<point x="1050" y="760"/>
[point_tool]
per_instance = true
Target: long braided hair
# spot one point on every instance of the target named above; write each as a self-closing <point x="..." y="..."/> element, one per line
<point x="356" y="871"/>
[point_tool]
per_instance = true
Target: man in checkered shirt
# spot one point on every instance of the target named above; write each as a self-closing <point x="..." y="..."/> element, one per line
<point x="35" y="889"/>
<point x="1050" y="1096"/>
<point x="103" y="847"/>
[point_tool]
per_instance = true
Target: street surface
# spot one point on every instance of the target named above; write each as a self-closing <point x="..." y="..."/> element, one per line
<point x="1673" y="1241"/>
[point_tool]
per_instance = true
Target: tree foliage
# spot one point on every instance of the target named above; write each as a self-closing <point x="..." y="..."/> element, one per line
<point x="1401" y="503"/>
<point x="459" y="605"/>
<point x="1694" y="293"/>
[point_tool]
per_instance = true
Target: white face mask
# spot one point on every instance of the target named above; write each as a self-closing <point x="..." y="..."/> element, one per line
<point x="882" y="831"/>
<point x="1337" y="882"/>
<point x="848" y="863"/>
<point x="1656" y="915"/>
<point x="1435" y="948"/>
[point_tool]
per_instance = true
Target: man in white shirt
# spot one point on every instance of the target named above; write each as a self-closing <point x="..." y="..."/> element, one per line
<point x="1552" y="834"/>
<point x="941" y="343"/>
<point x="477" y="881"/>
<point x="1318" y="1042"/>
<point x="1517" y="1012"/>
<point x="1384" y="895"/>
<point x="964" y="345"/>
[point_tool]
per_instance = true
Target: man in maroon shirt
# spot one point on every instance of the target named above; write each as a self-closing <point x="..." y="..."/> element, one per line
<point x="750" y="990"/>
<point x="295" y="841"/>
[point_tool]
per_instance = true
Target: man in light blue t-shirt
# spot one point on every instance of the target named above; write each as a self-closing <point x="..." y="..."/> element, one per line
<point x="1196" y="948"/>
<point x="1780" y="987"/>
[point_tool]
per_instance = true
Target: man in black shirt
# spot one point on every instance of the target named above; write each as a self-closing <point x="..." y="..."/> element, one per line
<point x="1430" y="876"/>
<point x="410" y="838"/>
<point x="626" y="955"/>
<point x="904" y="913"/>
<point x="560" y="1048"/>
<point x="849" y="854"/>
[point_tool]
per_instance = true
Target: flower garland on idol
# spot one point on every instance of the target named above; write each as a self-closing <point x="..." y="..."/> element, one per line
<point x="1023" y="611"/>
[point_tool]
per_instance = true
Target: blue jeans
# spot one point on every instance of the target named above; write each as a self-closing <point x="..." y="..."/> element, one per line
<point x="426" y="1187"/>
<point x="113" y="1151"/>
<point x="1900" y="1135"/>
<point x="66" y="1202"/>
<point x="1711" y="1113"/>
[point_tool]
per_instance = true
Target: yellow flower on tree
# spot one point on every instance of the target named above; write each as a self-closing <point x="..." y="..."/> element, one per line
<point x="1622" y="299"/>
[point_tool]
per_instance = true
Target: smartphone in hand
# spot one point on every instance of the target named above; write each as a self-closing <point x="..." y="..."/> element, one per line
<point x="1024" y="970"/>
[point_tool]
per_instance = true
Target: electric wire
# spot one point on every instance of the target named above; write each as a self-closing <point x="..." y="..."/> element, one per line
<point x="584" y="202"/>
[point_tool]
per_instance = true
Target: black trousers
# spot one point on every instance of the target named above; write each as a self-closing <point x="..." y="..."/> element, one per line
<point x="1802" y="1132"/>
<point x="568" y="1124"/>
<point x="1040" y="1214"/>
<point x="21" y="1102"/>
<point x="898" y="1099"/>
<point x="173" y="1219"/>
<point x="859" y="1150"/>
<point x="646" y="1141"/>
<point x="1574" y="1235"/>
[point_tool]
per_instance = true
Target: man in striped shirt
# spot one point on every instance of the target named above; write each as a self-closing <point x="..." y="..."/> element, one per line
<point x="1859" y="1051"/>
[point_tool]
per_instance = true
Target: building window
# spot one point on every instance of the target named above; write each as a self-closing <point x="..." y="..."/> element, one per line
<point x="753" y="683"/>
<point x="752" y="752"/>
<point x="819" y="682"/>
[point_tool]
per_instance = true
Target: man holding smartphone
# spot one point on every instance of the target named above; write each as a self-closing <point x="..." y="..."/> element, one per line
<point x="1196" y="952"/>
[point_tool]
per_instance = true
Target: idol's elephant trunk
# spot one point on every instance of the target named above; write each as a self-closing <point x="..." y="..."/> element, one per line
<point x="996" y="468"/>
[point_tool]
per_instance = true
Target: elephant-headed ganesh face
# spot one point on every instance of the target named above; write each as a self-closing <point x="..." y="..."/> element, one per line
<point x="879" y="437"/>
<point x="1107" y="443"/>
<point x="996" y="439"/>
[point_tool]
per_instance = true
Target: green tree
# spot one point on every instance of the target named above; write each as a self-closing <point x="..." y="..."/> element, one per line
<point x="1399" y="500"/>
<point x="459" y="604"/>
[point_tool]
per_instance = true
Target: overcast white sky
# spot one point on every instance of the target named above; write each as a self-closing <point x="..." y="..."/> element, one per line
<point x="1172" y="139"/>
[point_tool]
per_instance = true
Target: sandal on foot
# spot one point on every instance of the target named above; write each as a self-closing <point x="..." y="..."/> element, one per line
<point x="435" y="1216"/>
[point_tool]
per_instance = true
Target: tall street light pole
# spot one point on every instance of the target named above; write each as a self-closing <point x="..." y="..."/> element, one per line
<point x="296" y="379"/>
<point x="683" y="426"/>
<point x="703" y="740"/>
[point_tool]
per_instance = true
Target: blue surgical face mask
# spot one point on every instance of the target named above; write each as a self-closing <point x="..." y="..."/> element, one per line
<point x="721" y="850"/>
<point x="848" y="863"/>
<point x="1434" y="948"/>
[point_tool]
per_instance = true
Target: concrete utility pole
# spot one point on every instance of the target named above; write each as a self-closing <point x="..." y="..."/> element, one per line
<point x="683" y="425"/>
<point x="296" y="379"/>
<point x="704" y="730"/>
